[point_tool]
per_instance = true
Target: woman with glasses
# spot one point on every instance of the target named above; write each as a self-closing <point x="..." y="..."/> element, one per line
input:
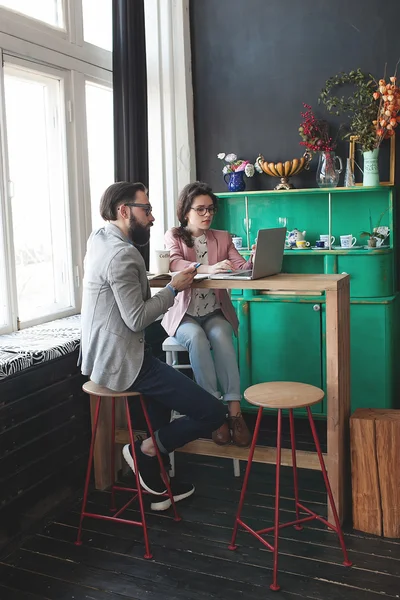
<point x="203" y="320"/>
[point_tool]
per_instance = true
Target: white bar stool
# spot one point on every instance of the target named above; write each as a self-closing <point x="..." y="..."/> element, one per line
<point x="171" y="347"/>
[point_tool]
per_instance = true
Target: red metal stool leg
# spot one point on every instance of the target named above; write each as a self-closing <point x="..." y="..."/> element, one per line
<point x="274" y="585"/>
<point x="112" y="458"/>
<point x="232" y="545"/>
<point x="138" y="486"/>
<point x="88" y="470"/>
<point x="338" y="528"/>
<point x="162" y="468"/>
<point x="294" y="466"/>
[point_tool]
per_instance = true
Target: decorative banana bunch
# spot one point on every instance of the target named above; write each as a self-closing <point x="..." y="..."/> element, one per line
<point x="286" y="169"/>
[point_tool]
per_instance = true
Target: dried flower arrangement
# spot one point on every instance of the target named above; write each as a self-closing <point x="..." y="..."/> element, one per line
<point x="372" y="108"/>
<point x="314" y="132"/>
<point x="388" y="117"/>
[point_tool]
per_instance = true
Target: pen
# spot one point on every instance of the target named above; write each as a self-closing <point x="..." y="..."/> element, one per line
<point x="197" y="265"/>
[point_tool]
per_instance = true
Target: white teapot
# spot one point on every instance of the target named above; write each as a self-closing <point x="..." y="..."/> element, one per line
<point x="295" y="236"/>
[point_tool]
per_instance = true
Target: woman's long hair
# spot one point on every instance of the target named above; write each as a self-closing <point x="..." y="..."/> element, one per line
<point x="185" y="201"/>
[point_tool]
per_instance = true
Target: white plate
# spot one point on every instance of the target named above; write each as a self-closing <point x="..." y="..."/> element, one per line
<point x="318" y="248"/>
<point x="306" y="248"/>
<point x="376" y="247"/>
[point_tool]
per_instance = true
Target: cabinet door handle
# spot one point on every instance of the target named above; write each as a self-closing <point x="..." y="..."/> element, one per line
<point x="316" y="307"/>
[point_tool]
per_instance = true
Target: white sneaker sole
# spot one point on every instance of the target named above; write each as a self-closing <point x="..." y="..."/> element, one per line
<point x="158" y="506"/>
<point x="127" y="456"/>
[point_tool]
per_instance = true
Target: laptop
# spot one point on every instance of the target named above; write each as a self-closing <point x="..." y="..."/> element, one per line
<point x="267" y="259"/>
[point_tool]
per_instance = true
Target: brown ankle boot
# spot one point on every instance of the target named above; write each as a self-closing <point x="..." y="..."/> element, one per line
<point x="241" y="435"/>
<point x="222" y="436"/>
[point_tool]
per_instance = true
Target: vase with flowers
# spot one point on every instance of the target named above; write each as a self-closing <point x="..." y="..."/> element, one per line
<point x="373" y="110"/>
<point x="315" y="137"/>
<point x="234" y="170"/>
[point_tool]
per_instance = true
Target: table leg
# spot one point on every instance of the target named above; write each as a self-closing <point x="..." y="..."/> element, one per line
<point x="338" y="395"/>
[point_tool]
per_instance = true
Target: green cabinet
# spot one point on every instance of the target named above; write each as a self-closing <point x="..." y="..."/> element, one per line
<point x="283" y="337"/>
<point x="279" y="341"/>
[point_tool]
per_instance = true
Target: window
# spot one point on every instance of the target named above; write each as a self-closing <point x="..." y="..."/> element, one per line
<point x="99" y="118"/>
<point x="36" y="148"/>
<point x="97" y="23"/>
<point x="47" y="11"/>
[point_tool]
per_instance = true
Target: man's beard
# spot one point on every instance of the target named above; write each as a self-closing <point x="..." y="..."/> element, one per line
<point x="137" y="233"/>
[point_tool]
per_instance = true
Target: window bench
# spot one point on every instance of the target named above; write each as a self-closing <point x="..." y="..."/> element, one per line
<point x="41" y="343"/>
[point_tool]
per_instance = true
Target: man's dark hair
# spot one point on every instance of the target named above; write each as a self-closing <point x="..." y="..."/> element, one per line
<point x="115" y="195"/>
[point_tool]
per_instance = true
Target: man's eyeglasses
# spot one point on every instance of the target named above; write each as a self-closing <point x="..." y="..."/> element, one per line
<point x="203" y="210"/>
<point x="146" y="207"/>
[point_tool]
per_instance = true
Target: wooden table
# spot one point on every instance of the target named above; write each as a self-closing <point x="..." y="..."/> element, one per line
<point x="336" y="290"/>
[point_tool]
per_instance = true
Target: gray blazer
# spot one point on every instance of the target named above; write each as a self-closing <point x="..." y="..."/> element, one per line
<point x="116" y="308"/>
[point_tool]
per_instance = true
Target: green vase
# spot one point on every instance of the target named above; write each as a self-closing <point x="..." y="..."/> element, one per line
<point x="371" y="172"/>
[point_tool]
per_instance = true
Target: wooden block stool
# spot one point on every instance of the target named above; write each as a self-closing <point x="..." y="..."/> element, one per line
<point x="102" y="393"/>
<point x="375" y="470"/>
<point x="285" y="395"/>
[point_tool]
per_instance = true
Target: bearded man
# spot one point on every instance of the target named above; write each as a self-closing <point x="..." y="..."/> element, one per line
<point x="116" y="309"/>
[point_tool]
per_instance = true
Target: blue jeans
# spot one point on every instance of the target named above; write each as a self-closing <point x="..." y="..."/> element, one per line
<point x="201" y="334"/>
<point x="167" y="389"/>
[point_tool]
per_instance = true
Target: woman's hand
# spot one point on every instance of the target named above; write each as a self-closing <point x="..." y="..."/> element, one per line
<point x="221" y="267"/>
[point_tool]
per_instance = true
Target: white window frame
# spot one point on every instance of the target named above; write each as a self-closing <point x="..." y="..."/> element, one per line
<point x="64" y="77"/>
<point x="38" y="43"/>
<point x="68" y="42"/>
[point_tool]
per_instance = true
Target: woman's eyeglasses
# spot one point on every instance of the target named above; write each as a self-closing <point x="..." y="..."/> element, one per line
<point x="203" y="210"/>
<point x="146" y="207"/>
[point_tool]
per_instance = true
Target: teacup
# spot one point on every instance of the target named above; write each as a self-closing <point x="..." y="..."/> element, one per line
<point x="325" y="238"/>
<point x="302" y="244"/>
<point x="347" y="241"/>
<point x="320" y="244"/>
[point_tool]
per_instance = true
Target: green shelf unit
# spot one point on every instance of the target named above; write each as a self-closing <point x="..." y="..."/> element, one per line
<point x="282" y="337"/>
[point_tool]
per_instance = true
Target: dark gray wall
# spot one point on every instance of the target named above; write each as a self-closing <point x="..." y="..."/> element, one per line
<point x="256" y="61"/>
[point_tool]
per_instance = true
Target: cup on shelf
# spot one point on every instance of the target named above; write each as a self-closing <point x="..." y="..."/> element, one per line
<point x="347" y="241"/>
<point x="325" y="238"/>
<point x="302" y="244"/>
<point x="320" y="244"/>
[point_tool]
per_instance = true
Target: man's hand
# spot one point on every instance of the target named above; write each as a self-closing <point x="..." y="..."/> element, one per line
<point x="221" y="267"/>
<point x="183" y="279"/>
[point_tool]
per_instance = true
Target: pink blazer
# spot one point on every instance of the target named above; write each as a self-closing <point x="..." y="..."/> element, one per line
<point x="220" y="247"/>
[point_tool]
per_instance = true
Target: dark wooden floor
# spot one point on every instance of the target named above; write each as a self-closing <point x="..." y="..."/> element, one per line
<point x="191" y="558"/>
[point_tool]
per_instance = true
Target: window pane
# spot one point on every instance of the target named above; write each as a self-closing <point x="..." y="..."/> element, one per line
<point x="48" y="11"/>
<point x="36" y="154"/>
<point x="100" y="128"/>
<point x="97" y="23"/>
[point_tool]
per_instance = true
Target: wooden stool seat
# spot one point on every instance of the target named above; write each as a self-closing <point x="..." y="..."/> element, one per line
<point x="93" y="389"/>
<point x="283" y="394"/>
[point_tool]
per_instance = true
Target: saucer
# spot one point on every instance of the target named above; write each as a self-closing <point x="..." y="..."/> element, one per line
<point x="376" y="247"/>
<point x="305" y="248"/>
<point x="349" y="248"/>
<point x="318" y="248"/>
